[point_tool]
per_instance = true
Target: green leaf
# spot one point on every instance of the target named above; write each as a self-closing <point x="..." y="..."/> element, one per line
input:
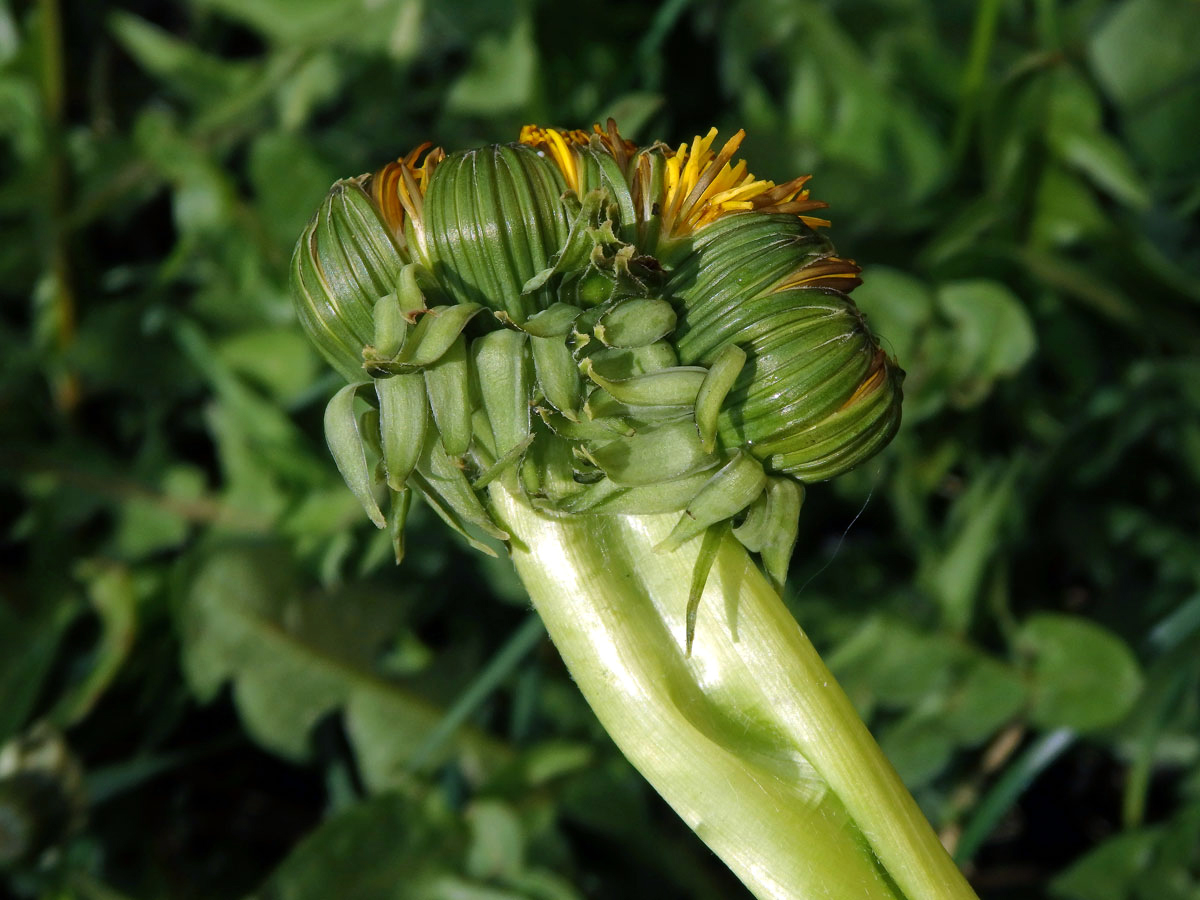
<point x="114" y="594"/>
<point x="312" y="85"/>
<point x="296" y="655"/>
<point x="1129" y="52"/>
<point x="988" y="697"/>
<point x="985" y="697"/>
<point x="289" y="179"/>
<point x="21" y="117"/>
<point x="892" y="663"/>
<point x="10" y="39"/>
<point x="160" y="520"/>
<point x="390" y="26"/>
<point x="197" y="75"/>
<point x="901" y="312"/>
<point x="1105" y="162"/>
<point x="392" y="848"/>
<point x="1084" y="677"/>
<point x="497" y="848"/>
<point x="282" y="362"/>
<point x="1066" y="211"/>
<point x="385" y="848"/>
<point x="878" y="151"/>
<point x="1152" y="77"/>
<point x="501" y="75"/>
<point x="993" y="336"/>
<point x="1074" y="132"/>
<point x="203" y="199"/>
<point x="1083" y="284"/>
<point x="919" y="747"/>
<point x="1109" y="872"/>
<point x="27" y="652"/>
<point x="954" y="576"/>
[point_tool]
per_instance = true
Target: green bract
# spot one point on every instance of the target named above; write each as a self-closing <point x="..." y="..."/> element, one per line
<point x="610" y="330"/>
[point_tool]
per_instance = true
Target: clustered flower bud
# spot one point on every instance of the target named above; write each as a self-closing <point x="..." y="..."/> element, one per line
<point x="611" y="329"/>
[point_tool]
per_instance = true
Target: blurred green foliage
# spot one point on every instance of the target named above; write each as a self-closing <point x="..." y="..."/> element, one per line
<point x="260" y="703"/>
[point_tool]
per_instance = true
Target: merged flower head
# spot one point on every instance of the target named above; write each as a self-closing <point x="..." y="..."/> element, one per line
<point x="611" y="329"/>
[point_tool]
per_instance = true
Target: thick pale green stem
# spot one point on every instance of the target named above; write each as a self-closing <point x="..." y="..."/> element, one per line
<point x="750" y="739"/>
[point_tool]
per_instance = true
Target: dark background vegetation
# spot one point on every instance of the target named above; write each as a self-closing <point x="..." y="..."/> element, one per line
<point x="213" y="681"/>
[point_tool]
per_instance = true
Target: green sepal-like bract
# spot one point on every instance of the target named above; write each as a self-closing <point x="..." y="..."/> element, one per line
<point x="444" y="483"/>
<point x="403" y="412"/>
<point x="651" y="457"/>
<point x="505" y="386"/>
<point x="676" y="386"/>
<point x="770" y="526"/>
<point x="391" y="328"/>
<point x="397" y="517"/>
<point x="635" y="322"/>
<point x="344" y="437"/>
<point x="448" y="385"/>
<point x="715" y="387"/>
<point x="557" y="374"/>
<point x="436" y="332"/>
<point x="722" y="497"/>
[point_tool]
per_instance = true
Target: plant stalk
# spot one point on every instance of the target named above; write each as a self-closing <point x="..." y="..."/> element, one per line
<point x="749" y="738"/>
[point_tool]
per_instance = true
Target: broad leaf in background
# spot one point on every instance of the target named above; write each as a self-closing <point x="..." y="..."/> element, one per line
<point x="956" y="341"/>
<point x="951" y="694"/>
<point x="391" y="26"/>
<point x="296" y="656"/>
<point x="1156" y="863"/>
<point x="1084" y="677"/>
<point x="1153" y="80"/>
<point x="385" y="848"/>
<point x="390" y="848"/>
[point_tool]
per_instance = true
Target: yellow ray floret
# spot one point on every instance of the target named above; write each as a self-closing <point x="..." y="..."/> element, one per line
<point x="399" y="191"/>
<point x="563" y="147"/>
<point x="700" y="186"/>
<point x="560" y="147"/>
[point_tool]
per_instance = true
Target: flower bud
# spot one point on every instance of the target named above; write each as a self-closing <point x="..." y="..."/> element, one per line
<point x="345" y="261"/>
<point x="818" y="395"/>
<point x="681" y="328"/>
<point x="493" y="219"/>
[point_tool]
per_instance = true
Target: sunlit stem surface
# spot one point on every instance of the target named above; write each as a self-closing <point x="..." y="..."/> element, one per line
<point x="749" y="739"/>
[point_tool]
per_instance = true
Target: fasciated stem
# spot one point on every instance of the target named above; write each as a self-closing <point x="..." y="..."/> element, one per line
<point x="749" y="738"/>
